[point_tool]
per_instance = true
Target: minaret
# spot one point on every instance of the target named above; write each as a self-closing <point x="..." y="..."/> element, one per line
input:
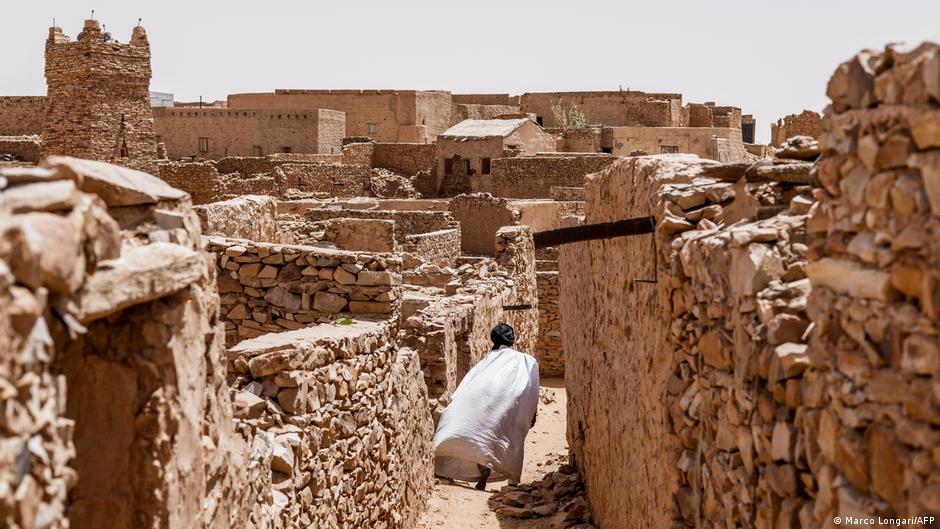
<point x="98" y="102"/>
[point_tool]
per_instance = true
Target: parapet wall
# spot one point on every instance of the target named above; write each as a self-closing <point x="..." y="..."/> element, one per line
<point x="271" y="287"/>
<point x="347" y="417"/>
<point x="24" y="148"/>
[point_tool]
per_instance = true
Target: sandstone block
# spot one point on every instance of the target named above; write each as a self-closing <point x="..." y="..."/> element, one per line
<point x="141" y="274"/>
<point x="268" y="364"/>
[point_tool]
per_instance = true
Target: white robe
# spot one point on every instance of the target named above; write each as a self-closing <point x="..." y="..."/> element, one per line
<point x="488" y="418"/>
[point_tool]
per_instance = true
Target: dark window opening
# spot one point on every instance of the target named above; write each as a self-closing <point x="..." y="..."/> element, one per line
<point x="669" y="149"/>
<point x="538" y="119"/>
<point x="485" y="165"/>
<point x="256" y="150"/>
<point x="124" y="149"/>
<point x="448" y="166"/>
<point x="285" y="149"/>
<point x="466" y="167"/>
<point x="607" y="150"/>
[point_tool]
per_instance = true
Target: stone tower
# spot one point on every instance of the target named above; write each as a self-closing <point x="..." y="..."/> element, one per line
<point x="98" y="103"/>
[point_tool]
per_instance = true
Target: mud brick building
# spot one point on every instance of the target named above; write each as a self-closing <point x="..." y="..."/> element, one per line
<point x="415" y="116"/>
<point x="215" y="133"/>
<point x="98" y="103"/>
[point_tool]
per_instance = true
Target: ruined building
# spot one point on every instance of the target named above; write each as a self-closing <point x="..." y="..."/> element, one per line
<point x="98" y="102"/>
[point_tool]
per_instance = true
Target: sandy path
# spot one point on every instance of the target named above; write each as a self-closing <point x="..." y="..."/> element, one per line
<point x="460" y="506"/>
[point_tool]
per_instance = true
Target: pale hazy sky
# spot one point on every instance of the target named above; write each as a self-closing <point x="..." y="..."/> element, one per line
<point x="769" y="58"/>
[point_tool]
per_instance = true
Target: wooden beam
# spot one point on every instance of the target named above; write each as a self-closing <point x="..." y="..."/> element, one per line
<point x="589" y="232"/>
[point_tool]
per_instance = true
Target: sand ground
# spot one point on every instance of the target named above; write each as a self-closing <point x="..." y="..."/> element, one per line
<point x="460" y="506"/>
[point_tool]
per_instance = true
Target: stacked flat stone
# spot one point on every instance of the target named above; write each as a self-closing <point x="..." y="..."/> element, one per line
<point x="107" y="308"/>
<point x="738" y="316"/>
<point x="548" y="351"/>
<point x="270" y="288"/>
<point x="346" y="415"/>
<point x="872" y="412"/>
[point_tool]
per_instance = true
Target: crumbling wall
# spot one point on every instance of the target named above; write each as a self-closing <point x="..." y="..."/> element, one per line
<point x="333" y="180"/>
<point x="451" y="332"/>
<point x="410" y="158"/>
<point x="347" y="415"/>
<point x="481" y="215"/>
<point x="548" y="350"/>
<point x="806" y="123"/>
<point x="270" y="288"/>
<point x="406" y="222"/>
<point x="534" y="176"/>
<point x="436" y="246"/>
<point x="251" y="217"/>
<point x="23" y="148"/>
<point x="870" y="417"/>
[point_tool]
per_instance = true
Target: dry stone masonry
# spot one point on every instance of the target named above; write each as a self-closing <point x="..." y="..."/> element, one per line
<point x="268" y="287"/>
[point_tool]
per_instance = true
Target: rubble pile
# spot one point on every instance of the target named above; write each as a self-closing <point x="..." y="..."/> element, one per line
<point x="271" y="287"/>
<point x="558" y="497"/>
<point x="343" y="411"/>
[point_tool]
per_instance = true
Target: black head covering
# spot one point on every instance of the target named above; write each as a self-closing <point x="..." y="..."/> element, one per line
<point x="502" y="334"/>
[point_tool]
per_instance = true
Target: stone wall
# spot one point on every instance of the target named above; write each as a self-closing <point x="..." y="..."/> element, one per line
<point x="806" y="123"/>
<point x="332" y="180"/>
<point x="361" y="235"/>
<point x="436" y="246"/>
<point x="716" y="143"/>
<point x="447" y="313"/>
<point x="781" y="361"/>
<point x="548" y="350"/>
<point x="410" y="158"/>
<point x="406" y="222"/>
<point x="617" y="352"/>
<point x="480" y="216"/>
<point x="215" y="133"/>
<point x="874" y="355"/>
<point x="534" y="176"/>
<point x="22" y="115"/>
<point x="617" y="108"/>
<point x="24" y="148"/>
<point x="251" y="217"/>
<point x="271" y="288"/>
<point x="98" y="103"/>
<point x="116" y="411"/>
<point x="394" y="115"/>
<point x="347" y="415"/>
